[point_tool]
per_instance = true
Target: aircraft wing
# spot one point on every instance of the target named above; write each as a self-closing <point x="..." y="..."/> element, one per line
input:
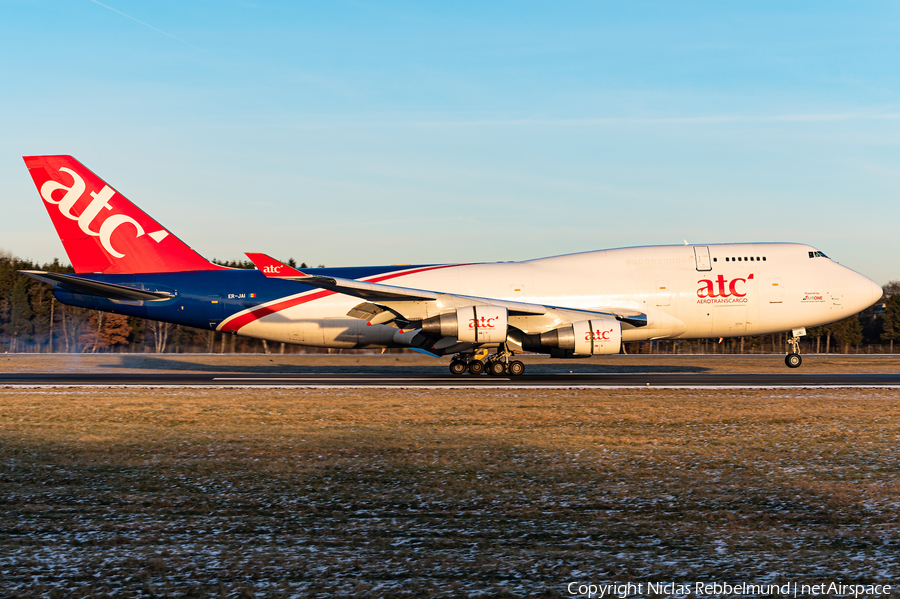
<point x="74" y="284"/>
<point x="364" y="290"/>
<point x="373" y="291"/>
<point x="386" y="303"/>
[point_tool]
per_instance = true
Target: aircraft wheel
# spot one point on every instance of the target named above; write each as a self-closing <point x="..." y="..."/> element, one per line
<point x="457" y="367"/>
<point x="476" y="366"/>
<point x="793" y="360"/>
<point x="515" y="368"/>
<point x="497" y="368"/>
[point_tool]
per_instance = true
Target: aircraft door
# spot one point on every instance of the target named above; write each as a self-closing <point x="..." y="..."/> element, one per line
<point x="215" y="311"/>
<point x="663" y="294"/>
<point x="776" y="291"/>
<point x="701" y="258"/>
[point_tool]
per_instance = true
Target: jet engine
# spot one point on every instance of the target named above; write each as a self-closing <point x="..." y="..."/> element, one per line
<point x="586" y="337"/>
<point x="472" y="324"/>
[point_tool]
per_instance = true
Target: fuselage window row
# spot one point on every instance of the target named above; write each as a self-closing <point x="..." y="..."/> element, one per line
<point x="744" y="259"/>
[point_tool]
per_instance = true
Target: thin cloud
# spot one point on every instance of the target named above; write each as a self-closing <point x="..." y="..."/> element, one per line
<point x="712" y="119"/>
<point x="119" y="12"/>
<point x="363" y="121"/>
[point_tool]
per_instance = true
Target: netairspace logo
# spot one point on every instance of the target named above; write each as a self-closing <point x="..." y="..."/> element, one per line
<point x="717" y="589"/>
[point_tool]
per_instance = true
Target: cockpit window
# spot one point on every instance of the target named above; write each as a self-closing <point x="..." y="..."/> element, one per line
<point x="817" y="255"/>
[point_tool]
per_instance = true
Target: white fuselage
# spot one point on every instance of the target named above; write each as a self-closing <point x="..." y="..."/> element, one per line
<point x="687" y="291"/>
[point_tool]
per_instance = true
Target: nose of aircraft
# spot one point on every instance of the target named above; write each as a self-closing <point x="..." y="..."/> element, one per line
<point x="877" y="291"/>
<point x="864" y="292"/>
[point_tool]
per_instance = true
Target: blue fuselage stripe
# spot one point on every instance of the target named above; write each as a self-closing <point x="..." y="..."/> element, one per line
<point x="206" y="297"/>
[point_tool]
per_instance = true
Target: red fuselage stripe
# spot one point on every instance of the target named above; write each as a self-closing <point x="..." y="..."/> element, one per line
<point x="242" y="320"/>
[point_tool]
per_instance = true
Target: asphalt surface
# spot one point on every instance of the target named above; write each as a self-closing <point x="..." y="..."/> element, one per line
<point x="371" y="378"/>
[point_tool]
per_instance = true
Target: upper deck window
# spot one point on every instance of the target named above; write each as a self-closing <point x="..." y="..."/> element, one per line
<point x="745" y="259"/>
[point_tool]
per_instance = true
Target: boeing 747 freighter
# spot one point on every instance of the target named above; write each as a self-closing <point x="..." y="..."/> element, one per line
<point x="569" y="306"/>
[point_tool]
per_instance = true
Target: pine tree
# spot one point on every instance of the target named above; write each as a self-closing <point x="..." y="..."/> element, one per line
<point x="891" y="318"/>
<point x="111" y="330"/>
<point x="20" y="327"/>
<point x="848" y="332"/>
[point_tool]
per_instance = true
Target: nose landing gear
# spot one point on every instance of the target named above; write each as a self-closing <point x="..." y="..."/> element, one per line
<point x="793" y="359"/>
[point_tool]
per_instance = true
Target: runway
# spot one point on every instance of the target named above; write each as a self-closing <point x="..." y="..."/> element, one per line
<point x="420" y="380"/>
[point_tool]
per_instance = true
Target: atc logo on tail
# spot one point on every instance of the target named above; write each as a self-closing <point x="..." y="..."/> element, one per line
<point x="100" y="229"/>
<point x="100" y="201"/>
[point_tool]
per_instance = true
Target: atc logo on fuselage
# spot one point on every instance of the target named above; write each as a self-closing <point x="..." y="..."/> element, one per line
<point x="723" y="291"/>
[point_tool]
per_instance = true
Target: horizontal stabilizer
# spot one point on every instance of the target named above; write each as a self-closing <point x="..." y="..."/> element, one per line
<point x="73" y="284"/>
<point x="271" y="267"/>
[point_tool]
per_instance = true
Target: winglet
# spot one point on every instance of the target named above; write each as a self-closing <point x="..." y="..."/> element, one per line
<point x="273" y="268"/>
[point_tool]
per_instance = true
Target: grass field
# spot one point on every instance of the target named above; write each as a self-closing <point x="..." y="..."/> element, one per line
<point x="444" y="493"/>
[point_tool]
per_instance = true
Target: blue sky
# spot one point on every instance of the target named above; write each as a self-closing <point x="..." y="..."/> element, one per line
<point x="368" y="133"/>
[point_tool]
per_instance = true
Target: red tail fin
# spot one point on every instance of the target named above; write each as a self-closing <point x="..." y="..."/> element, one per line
<point x="100" y="229"/>
<point x="272" y="267"/>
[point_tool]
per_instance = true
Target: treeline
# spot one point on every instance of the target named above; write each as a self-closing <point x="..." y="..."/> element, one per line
<point x="32" y="320"/>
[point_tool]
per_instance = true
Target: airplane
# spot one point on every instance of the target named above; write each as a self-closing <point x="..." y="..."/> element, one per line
<point x="482" y="314"/>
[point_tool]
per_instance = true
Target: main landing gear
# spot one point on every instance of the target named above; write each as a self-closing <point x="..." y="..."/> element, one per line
<point x="458" y="366"/>
<point x="498" y="364"/>
<point x="793" y="359"/>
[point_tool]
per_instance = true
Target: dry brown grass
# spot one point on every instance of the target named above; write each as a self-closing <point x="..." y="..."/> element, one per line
<point x="384" y="493"/>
